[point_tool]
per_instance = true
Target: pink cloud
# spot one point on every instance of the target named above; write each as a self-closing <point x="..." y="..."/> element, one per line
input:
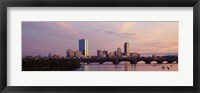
<point x="66" y="27"/>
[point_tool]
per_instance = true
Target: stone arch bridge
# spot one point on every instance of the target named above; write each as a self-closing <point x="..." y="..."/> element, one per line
<point x="131" y="60"/>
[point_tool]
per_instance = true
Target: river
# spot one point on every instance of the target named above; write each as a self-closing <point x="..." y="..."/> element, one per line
<point x="126" y="66"/>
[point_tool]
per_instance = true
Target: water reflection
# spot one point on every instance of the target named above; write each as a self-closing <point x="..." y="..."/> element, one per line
<point x="127" y="66"/>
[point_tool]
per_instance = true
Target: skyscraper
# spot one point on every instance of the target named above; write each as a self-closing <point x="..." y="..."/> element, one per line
<point x="69" y="53"/>
<point x="99" y="53"/>
<point x="83" y="46"/>
<point x="105" y="53"/>
<point x="119" y="50"/>
<point x="126" y="48"/>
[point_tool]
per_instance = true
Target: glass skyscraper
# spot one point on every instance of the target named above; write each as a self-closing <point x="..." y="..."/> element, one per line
<point x="83" y="46"/>
<point x="126" y="48"/>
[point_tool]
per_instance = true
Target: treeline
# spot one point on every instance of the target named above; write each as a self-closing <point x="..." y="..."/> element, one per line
<point x="49" y="65"/>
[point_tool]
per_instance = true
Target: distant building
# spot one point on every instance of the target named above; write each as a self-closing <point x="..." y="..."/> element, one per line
<point x="127" y="48"/>
<point x="134" y="54"/>
<point x="38" y="57"/>
<point x="69" y="53"/>
<point x="56" y="56"/>
<point x="29" y="57"/>
<point x="118" y="52"/>
<point x="115" y="53"/>
<point x="50" y="55"/>
<point x="155" y="57"/>
<point x="104" y="53"/>
<point x="78" y="54"/>
<point x="111" y="54"/>
<point x="83" y="46"/>
<point x="99" y="53"/>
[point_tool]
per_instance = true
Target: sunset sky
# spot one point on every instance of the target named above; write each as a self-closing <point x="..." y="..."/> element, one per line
<point x="146" y="38"/>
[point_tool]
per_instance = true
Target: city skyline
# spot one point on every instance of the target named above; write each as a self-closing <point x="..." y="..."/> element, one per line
<point x="83" y="51"/>
<point x="146" y="38"/>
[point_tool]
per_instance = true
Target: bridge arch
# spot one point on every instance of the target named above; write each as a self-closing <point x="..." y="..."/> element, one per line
<point x="125" y="62"/>
<point x="141" y="62"/>
<point x="165" y="62"/>
<point x="175" y="62"/>
<point x="107" y="62"/>
<point x="153" y="62"/>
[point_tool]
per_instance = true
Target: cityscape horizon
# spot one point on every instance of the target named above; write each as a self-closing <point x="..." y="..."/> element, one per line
<point x="99" y="46"/>
<point x="144" y="55"/>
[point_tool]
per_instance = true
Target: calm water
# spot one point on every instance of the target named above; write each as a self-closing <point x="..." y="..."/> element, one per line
<point x="126" y="66"/>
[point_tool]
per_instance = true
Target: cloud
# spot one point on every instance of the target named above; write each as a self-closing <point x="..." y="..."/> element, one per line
<point x="64" y="25"/>
<point x="65" y="28"/>
<point x="127" y="27"/>
<point x="127" y="33"/>
<point x="112" y="32"/>
<point x="97" y="30"/>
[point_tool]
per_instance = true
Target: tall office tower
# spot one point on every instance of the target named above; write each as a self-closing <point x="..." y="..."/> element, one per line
<point x="105" y="53"/>
<point x="69" y="53"/>
<point x="119" y="50"/>
<point x="126" y="48"/>
<point x="99" y="53"/>
<point x="50" y="55"/>
<point x="83" y="46"/>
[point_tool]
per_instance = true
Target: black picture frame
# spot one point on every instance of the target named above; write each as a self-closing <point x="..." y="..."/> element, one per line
<point x="98" y="3"/>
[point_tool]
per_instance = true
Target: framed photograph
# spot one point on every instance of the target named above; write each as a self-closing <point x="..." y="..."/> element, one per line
<point x="100" y="46"/>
